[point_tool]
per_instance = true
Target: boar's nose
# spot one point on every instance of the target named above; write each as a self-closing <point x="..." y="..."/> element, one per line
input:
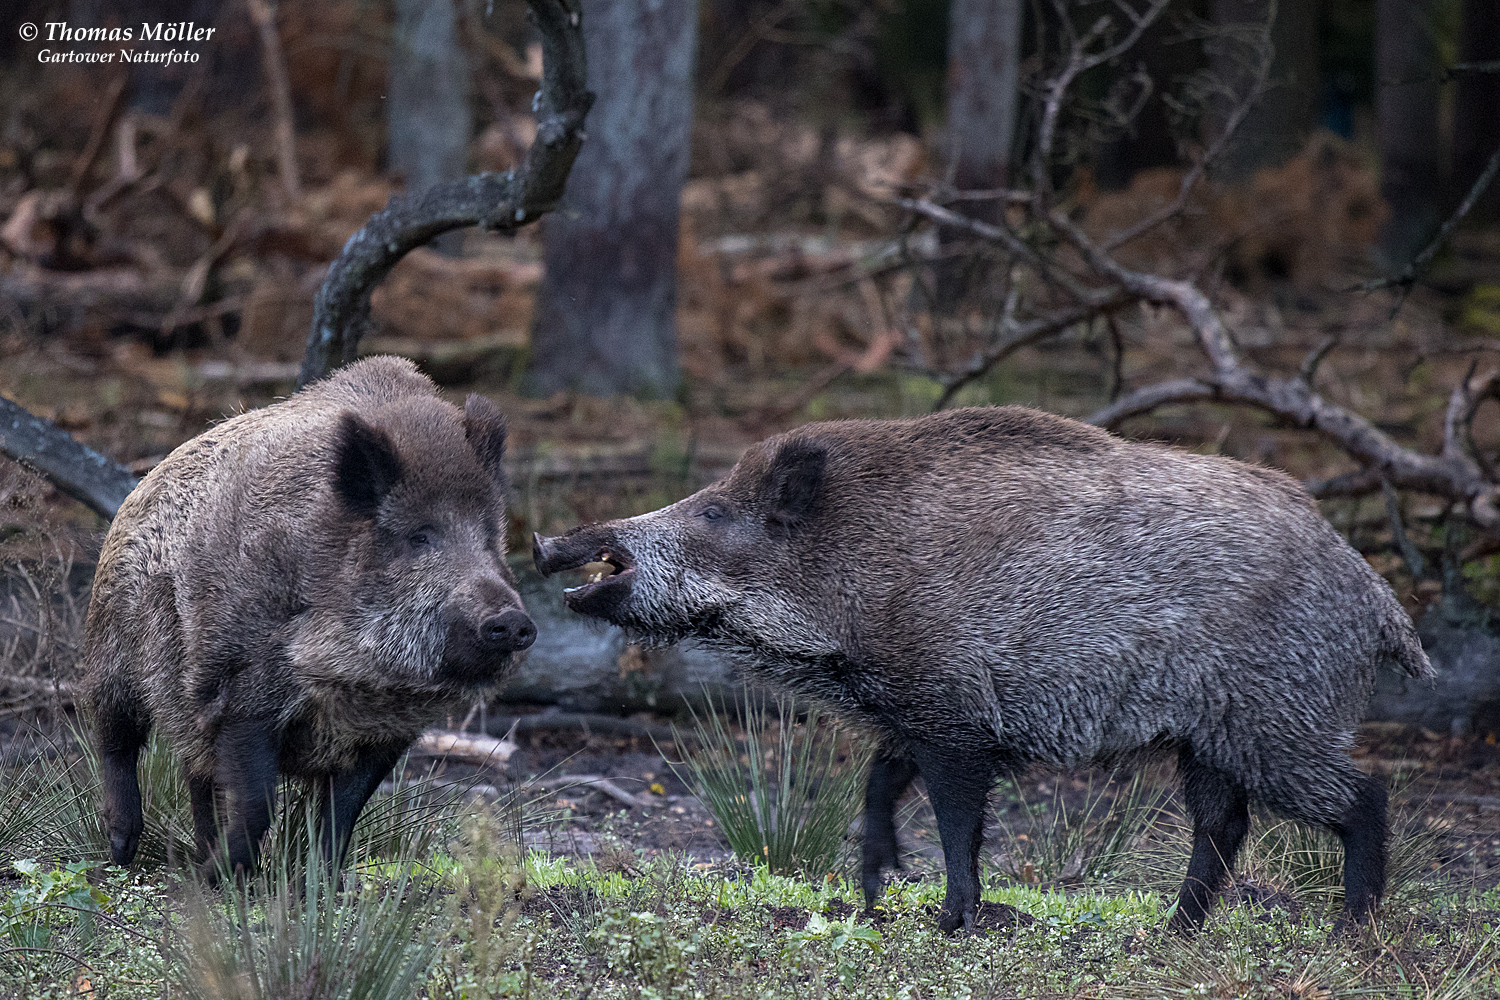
<point x="508" y="632"/>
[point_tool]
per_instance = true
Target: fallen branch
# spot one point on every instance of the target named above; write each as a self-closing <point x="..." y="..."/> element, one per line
<point x="76" y="469"/>
<point x="589" y="722"/>
<point x="1452" y="474"/>
<point x="37" y="685"/>
<point x="473" y="748"/>
<point x="597" y="782"/>
<point x="498" y="202"/>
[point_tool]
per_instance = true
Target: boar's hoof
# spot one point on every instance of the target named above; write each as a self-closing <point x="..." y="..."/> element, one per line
<point x="508" y="632"/>
<point x="950" y="921"/>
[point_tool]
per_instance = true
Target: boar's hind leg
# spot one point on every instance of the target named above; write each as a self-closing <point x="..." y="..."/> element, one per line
<point x="1362" y="828"/>
<point x="1220" y="810"/>
<point x="958" y="786"/>
<point x="249" y="754"/>
<point x="889" y="777"/>
<point x="341" y="797"/>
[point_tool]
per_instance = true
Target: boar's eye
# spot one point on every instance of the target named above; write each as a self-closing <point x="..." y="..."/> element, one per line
<point x="420" y="539"/>
<point x="712" y="512"/>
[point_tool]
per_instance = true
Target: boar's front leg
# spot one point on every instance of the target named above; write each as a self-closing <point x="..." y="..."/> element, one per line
<point x="249" y="763"/>
<point x="889" y="777"/>
<point x="121" y="736"/>
<point x="341" y="796"/>
<point x="958" y="786"/>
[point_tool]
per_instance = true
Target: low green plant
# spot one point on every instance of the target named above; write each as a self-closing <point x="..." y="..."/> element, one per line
<point x="660" y="951"/>
<point x="490" y="885"/>
<point x="47" y="899"/>
<point x="33" y="809"/>
<point x="294" y="931"/>
<point x="1052" y="842"/>
<point x="850" y="945"/>
<point x="45" y="923"/>
<point x="783" y="794"/>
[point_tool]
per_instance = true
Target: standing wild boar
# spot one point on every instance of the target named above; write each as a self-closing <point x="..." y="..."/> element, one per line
<point x="300" y="590"/>
<point x="991" y="587"/>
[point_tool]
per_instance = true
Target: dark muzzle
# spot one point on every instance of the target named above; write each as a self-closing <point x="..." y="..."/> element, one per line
<point x="508" y="632"/>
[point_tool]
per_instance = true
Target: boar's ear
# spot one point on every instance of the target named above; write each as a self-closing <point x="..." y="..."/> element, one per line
<point x="484" y="426"/>
<point x="794" y="481"/>
<point x="366" y="465"/>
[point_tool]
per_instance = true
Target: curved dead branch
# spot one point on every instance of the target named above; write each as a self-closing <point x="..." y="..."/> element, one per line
<point x="498" y="202"/>
<point x="1455" y="473"/>
<point x="1076" y="278"/>
<point x="77" y="470"/>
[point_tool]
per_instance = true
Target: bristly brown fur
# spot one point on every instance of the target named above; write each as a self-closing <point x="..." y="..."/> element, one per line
<point x="994" y="586"/>
<point x="312" y="583"/>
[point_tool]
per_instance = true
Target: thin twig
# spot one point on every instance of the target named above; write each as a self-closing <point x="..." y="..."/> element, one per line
<point x="1237" y="116"/>
<point x="263" y="13"/>
<point x="1414" y="560"/>
<point x="1080" y="61"/>
<point x="1408" y="275"/>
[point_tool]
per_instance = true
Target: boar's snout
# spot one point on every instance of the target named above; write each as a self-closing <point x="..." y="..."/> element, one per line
<point x="481" y="639"/>
<point x="508" y="632"/>
<point x="570" y="551"/>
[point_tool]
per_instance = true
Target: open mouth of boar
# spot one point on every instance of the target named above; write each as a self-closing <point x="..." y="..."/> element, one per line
<point x="607" y="573"/>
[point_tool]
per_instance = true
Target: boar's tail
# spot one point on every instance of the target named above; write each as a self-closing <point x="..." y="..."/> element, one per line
<point x="1404" y="648"/>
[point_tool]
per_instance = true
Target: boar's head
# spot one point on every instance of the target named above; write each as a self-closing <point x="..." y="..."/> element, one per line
<point x="738" y="558"/>
<point x="424" y="587"/>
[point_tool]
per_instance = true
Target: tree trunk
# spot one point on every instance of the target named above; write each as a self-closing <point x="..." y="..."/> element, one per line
<point x="1476" y="114"/>
<point x="605" y="320"/>
<point x="1406" y="108"/>
<point x="1278" y="126"/>
<point x="428" y="120"/>
<point x="984" y="56"/>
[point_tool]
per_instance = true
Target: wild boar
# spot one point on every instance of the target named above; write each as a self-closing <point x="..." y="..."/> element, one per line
<point x="986" y="588"/>
<point x="301" y="590"/>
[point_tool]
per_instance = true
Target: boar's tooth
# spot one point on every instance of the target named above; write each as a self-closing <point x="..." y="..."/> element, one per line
<point x="596" y="576"/>
<point x="570" y="590"/>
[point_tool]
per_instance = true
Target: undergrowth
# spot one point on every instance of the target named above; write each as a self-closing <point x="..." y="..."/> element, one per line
<point x="443" y="901"/>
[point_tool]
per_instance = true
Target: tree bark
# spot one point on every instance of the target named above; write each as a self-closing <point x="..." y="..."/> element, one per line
<point x="984" y="58"/>
<point x="1406" y="108"/>
<point x="1278" y="126"/>
<point x="428" y="120"/>
<point x="605" y="314"/>
<point x="1476" y="112"/>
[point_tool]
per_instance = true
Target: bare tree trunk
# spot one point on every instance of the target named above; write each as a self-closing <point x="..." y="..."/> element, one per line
<point x="1406" y="106"/>
<point x="605" y="314"/>
<point x="1476" y="115"/>
<point x="1278" y="126"/>
<point x="428" y="120"/>
<point x="984" y="57"/>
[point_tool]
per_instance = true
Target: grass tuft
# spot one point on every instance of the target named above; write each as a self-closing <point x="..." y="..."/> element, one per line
<point x="784" y="795"/>
<point x="1049" y="842"/>
<point x="293" y="931"/>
